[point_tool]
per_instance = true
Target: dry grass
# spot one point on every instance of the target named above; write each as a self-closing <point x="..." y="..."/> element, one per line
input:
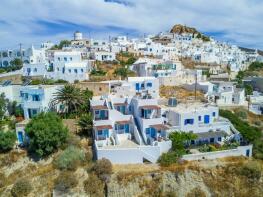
<point x="138" y="168"/>
<point x="180" y="93"/>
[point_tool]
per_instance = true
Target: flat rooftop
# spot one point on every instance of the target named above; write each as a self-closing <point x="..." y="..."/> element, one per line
<point x="123" y="144"/>
<point x="188" y="107"/>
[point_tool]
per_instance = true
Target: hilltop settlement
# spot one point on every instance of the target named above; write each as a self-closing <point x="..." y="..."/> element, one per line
<point x="172" y="99"/>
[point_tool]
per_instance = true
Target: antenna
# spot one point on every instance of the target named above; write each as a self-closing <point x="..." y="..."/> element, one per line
<point x="20" y="48"/>
<point x="195" y="84"/>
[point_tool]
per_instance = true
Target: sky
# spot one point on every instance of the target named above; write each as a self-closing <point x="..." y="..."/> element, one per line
<point x="29" y="22"/>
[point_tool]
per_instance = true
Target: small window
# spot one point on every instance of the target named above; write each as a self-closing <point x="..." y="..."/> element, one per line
<point x="65" y="59"/>
<point x="199" y="118"/>
<point x="35" y="69"/>
<point x="100" y="132"/>
<point x="82" y="70"/>
<point x="69" y="70"/>
<point x="70" y="58"/>
<point x="75" y="71"/>
<point x="149" y="85"/>
<point x="58" y="58"/>
<point x="97" y="112"/>
<point x="188" y="121"/>
<point x="214" y="114"/>
<point x="219" y="139"/>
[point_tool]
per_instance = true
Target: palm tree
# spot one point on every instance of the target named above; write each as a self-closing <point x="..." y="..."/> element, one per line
<point x="70" y="97"/>
<point x="85" y="122"/>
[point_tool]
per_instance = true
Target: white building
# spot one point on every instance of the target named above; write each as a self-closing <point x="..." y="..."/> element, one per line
<point x="104" y="56"/>
<point x="69" y="66"/>
<point x="227" y="94"/>
<point x="256" y="103"/>
<point x="36" y="99"/>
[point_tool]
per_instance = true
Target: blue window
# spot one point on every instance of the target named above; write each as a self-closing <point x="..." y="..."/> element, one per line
<point x="219" y="139"/>
<point x="35" y="97"/>
<point x="127" y="128"/>
<point x="70" y="58"/>
<point x="206" y="119"/>
<point x="100" y="132"/>
<point x="188" y="121"/>
<point x="142" y="85"/>
<point x="149" y="85"/>
<point x="65" y="59"/>
<point x="137" y="86"/>
<point x="148" y="131"/>
<point x="20" y="137"/>
<point x="214" y="114"/>
<point x="69" y="70"/>
<point x="121" y="127"/>
<point x="75" y="70"/>
<point x="199" y="118"/>
<point x="97" y="112"/>
<point x="82" y="70"/>
<point x="58" y="58"/>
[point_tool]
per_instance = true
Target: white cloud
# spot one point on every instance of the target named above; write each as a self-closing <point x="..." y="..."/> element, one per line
<point x="239" y="21"/>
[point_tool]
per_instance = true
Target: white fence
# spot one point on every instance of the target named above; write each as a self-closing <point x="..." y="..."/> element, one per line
<point x="239" y="151"/>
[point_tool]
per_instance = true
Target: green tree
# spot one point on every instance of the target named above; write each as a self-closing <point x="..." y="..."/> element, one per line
<point x="70" y="97"/>
<point x="7" y="140"/>
<point x="240" y="76"/>
<point x="3" y="105"/>
<point x="122" y="72"/>
<point x="86" y="124"/>
<point x="87" y="95"/>
<point x="46" y="133"/>
<point x="180" y="139"/>
<point x="248" y="89"/>
<point x="16" y="62"/>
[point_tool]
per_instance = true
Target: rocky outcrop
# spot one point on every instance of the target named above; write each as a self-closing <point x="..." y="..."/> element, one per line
<point x="180" y="29"/>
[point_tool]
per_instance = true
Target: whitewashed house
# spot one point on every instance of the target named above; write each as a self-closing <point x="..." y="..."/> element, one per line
<point x="227" y="94"/>
<point x="69" y="66"/>
<point x="36" y="99"/>
<point x="256" y="103"/>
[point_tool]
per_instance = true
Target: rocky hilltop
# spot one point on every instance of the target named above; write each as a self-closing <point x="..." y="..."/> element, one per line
<point x="180" y="29"/>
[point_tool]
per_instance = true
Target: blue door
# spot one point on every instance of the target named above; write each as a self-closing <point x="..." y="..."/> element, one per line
<point x="206" y="119"/>
<point x="247" y="152"/>
<point x="137" y="86"/>
<point x="20" y="137"/>
<point x="126" y="127"/>
<point x="102" y="114"/>
<point x="152" y="132"/>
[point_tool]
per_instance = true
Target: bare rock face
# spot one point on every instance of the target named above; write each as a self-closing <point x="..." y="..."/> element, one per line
<point x="180" y="29"/>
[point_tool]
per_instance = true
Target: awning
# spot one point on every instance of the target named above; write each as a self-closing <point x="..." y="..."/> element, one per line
<point x="150" y="107"/>
<point x="160" y="127"/>
<point x="97" y="107"/>
<point x="103" y="127"/>
<point x="118" y="104"/>
<point x="123" y="122"/>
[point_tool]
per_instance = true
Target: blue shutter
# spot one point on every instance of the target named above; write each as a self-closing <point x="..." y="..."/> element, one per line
<point x="127" y="130"/>
<point x="206" y="119"/>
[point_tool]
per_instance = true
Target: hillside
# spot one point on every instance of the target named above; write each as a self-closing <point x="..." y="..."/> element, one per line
<point x="225" y="177"/>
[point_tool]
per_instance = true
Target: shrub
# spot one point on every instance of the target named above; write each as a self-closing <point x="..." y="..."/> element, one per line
<point x="252" y="170"/>
<point x="242" y="114"/>
<point x="169" y="158"/>
<point x="94" y="186"/>
<point x="65" y="181"/>
<point x="7" y="140"/>
<point x="70" y="158"/>
<point x="21" y="188"/>
<point x="46" y="132"/>
<point x="102" y="168"/>
<point x="196" y="192"/>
